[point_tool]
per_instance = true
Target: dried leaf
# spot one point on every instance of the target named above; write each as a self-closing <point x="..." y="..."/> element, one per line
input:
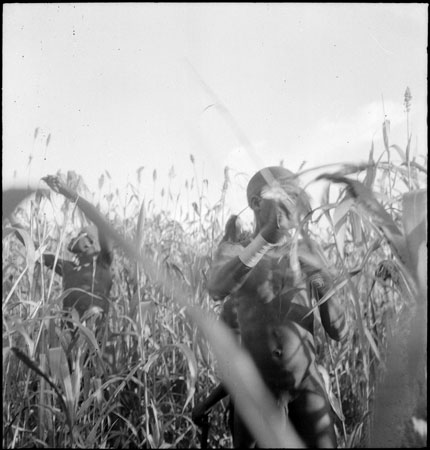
<point x="408" y="150"/>
<point x="339" y="219"/>
<point x="372" y="343"/>
<point x="139" y="173"/>
<point x="371" y="170"/>
<point x="417" y="166"/>
<point x="386" y="135"/>
<point x="140" y="226"/>
<point x="341" y="210"/>
<point x="356" y="230"/>
<point x="334" y="401"/>
<point x="400" y="152"/>
<point x="196" y="208"/>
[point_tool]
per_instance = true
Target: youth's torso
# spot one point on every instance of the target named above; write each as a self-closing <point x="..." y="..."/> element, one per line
<point x="94" y="276"/>
<point x="272" y="295"/>
<point x="271" y="308"/>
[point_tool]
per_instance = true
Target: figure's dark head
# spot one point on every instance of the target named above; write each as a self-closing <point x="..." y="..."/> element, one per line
<point x="276" y="182"/>
<point x="86" y="243"/>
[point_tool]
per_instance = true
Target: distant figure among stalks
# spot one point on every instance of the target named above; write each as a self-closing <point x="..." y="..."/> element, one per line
<point x="272" y="295"/>
<point x="88" y="276"/>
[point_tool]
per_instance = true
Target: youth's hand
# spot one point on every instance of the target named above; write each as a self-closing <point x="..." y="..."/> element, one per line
<point x="275" y="221"/>
<point x="58" y="185"/>
<point x="199" y="415"/>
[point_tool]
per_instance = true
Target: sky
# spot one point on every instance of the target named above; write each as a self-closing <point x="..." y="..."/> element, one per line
<point x="119" y="86"/>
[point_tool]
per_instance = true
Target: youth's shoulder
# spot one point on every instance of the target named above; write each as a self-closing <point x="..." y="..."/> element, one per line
<point x="239" y="244"/>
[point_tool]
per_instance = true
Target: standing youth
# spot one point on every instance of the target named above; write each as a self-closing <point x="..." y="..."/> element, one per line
<point x="274" y="306"/>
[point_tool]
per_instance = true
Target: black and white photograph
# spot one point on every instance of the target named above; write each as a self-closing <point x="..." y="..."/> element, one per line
<point x="214" y="225"/>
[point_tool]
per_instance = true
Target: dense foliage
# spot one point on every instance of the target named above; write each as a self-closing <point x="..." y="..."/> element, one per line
<point x="154" y="362"/>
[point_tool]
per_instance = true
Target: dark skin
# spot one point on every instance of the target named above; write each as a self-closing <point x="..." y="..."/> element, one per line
<point x="233" y="233"/>
<point x="89" y="275"/>
<point x="271" y="305"/>
<point x="202" y="409"/>
<point x="92" y="273"/>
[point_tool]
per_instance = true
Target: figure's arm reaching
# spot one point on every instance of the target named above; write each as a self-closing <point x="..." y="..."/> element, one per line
<point x="331" y="311"/>
<point x="233" y="262"/>
<point x="90" y="211"/>
<point x="227" y="272"/>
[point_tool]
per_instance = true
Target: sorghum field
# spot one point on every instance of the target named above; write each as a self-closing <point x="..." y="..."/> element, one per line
<point x="164" y="351"/>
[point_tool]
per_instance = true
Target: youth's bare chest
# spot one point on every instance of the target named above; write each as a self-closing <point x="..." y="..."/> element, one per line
<point x="88" y="276"/>
<point x="269" y="278"/>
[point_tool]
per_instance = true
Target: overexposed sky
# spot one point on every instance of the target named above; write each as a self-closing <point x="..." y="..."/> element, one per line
<point x="120" y="86"/>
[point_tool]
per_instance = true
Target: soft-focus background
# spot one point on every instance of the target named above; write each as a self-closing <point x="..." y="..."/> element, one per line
<point x="116" y="87"/>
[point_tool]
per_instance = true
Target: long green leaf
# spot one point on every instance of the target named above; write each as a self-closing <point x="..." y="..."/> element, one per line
<point x="33" y="366"/>
<point x="415" y="227"/>
<point x="398" y="395"/>
<point x="191" y="362"/>
<point x="375" y="210"/>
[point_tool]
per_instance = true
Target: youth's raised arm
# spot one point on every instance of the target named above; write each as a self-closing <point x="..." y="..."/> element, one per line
<point x="233" y="262"/>
<point x="90" y="211"/>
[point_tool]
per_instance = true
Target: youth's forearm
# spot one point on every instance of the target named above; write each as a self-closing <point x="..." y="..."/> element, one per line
<point x="203" y="408"/>
<point x="227" y="278"/>
<point x="215" y="396"/>
<point x="91" y="212"/>
<point x="85" y="206"/>
<point x="333" y="319"/>
<point x="331" y="311"/>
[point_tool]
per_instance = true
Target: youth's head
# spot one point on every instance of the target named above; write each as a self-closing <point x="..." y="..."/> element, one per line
<point x="86" y="243"/>
<point x="280" y="184"/>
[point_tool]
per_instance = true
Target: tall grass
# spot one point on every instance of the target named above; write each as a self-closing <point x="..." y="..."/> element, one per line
<point x="136" y="386"/>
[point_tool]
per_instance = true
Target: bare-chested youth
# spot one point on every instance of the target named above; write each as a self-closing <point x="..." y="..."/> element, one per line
<point x="90" y="275"/>
<point x="271" y="304"/>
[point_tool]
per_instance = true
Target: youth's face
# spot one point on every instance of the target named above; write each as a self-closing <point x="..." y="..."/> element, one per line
<point x="84" y="245"/>
<point x="282" y="213"/>
<point x="279" y="200"/>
